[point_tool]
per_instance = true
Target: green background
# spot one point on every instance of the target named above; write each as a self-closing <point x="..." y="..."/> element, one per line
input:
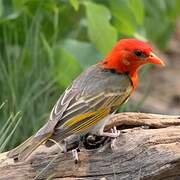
<point x="45" y="44"/>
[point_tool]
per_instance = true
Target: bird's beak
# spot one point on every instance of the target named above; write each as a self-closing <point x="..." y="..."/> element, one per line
<point x="153" y="59"/>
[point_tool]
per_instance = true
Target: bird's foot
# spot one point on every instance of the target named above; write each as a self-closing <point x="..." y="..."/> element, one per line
<point x="114" y="133"/>
<point x="113" y="141"/>
<point x="64" y="147"/>
<point x="75" y="155"/>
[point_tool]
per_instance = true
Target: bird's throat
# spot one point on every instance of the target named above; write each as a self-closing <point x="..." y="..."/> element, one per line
<point x="120" y="68"/>
<point x="134" y="79"/>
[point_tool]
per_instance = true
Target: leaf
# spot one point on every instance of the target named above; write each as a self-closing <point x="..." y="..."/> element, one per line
<point x="75" y="4"/>
<point x="66" y="67"/>
<point x="137" y="8"/>
<point x="1" y="8"/>
<point x="123" y="18"/>
<point x="172" y="10"/>
<point x="47" y="47"/>
<point x="164" y="12"/>
<point x="83" y="52"/>
<point x="101" y="32"/>
<point x="19" y="4"/>
<point x="177" y="7"/>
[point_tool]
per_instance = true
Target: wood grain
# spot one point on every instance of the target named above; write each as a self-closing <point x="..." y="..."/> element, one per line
<point x="152" y="153"/>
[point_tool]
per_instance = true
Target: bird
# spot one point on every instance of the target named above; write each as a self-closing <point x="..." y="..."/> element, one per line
<point x="89" y="101"/>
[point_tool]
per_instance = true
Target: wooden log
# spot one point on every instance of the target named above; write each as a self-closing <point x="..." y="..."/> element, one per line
<point x="151" y="153"/>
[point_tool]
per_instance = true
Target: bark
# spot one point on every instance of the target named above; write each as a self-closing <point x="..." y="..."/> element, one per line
<point x="147" y="148"/>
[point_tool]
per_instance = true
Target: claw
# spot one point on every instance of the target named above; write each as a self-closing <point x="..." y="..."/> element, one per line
<point x="117" y="133"/>
<point x="114" y="133"/>
<point x="75" y="155"/>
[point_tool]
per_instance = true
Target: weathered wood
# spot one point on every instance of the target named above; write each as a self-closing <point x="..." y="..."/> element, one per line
<point x="137" y="153"/>
<point x="144" y="119"/>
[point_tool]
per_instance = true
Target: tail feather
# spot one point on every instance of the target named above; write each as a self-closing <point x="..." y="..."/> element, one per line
<point x="23" y="151"/>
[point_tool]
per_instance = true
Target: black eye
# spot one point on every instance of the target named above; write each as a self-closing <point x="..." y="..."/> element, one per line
<point x="139" y="54"/>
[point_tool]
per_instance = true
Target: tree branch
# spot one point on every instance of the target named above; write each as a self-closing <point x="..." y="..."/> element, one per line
<point x="138" y="153"/>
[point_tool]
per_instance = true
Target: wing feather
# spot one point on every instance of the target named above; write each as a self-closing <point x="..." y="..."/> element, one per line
<point x="82" y="121"/>
<point x="87" y="123"/>
<point x="92" y="96"/>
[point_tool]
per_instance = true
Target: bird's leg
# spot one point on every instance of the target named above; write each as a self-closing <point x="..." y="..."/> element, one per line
<point x="114" y="130"/>
<point x="75" y="155"/>
<point x="114" y="134"/>
<point x="71" y="143"/>
<point x="74" y="152"/>
<point x="65" y="148"/>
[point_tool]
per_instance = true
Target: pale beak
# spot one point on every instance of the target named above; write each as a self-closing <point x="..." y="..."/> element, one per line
<point x="153" y="59"/>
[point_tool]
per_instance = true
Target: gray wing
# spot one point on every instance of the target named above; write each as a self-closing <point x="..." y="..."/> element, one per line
<point x="58" y="110"/>
<point x="81" y="97"/>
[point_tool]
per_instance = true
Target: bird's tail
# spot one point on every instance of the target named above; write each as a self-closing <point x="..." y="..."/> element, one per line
<point x="22" y="152"/>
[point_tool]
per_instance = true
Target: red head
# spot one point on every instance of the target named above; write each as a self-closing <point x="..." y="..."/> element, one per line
<point x="128" y="55"/>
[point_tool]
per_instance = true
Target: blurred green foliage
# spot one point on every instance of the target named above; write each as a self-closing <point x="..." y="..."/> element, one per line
<point x="46" y="44"/>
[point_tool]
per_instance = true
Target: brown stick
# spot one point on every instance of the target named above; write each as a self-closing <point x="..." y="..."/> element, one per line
<point x="136" y="154"/>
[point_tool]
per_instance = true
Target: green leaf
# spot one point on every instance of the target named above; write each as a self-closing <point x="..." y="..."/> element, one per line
<point x="9" y="131"/>
<point x="178" y="6"/>
<point x="47" y="48"/>
<point x="123" y="18"/>
<point x="66" y="67"/>
<point x="19" y="4"/>
<point x="1" y="8"/>
<point x="137" y="8"/>
<point x="101" y="32"/>
<point x="83" y="52"/>
<point x="75" y="4"/>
